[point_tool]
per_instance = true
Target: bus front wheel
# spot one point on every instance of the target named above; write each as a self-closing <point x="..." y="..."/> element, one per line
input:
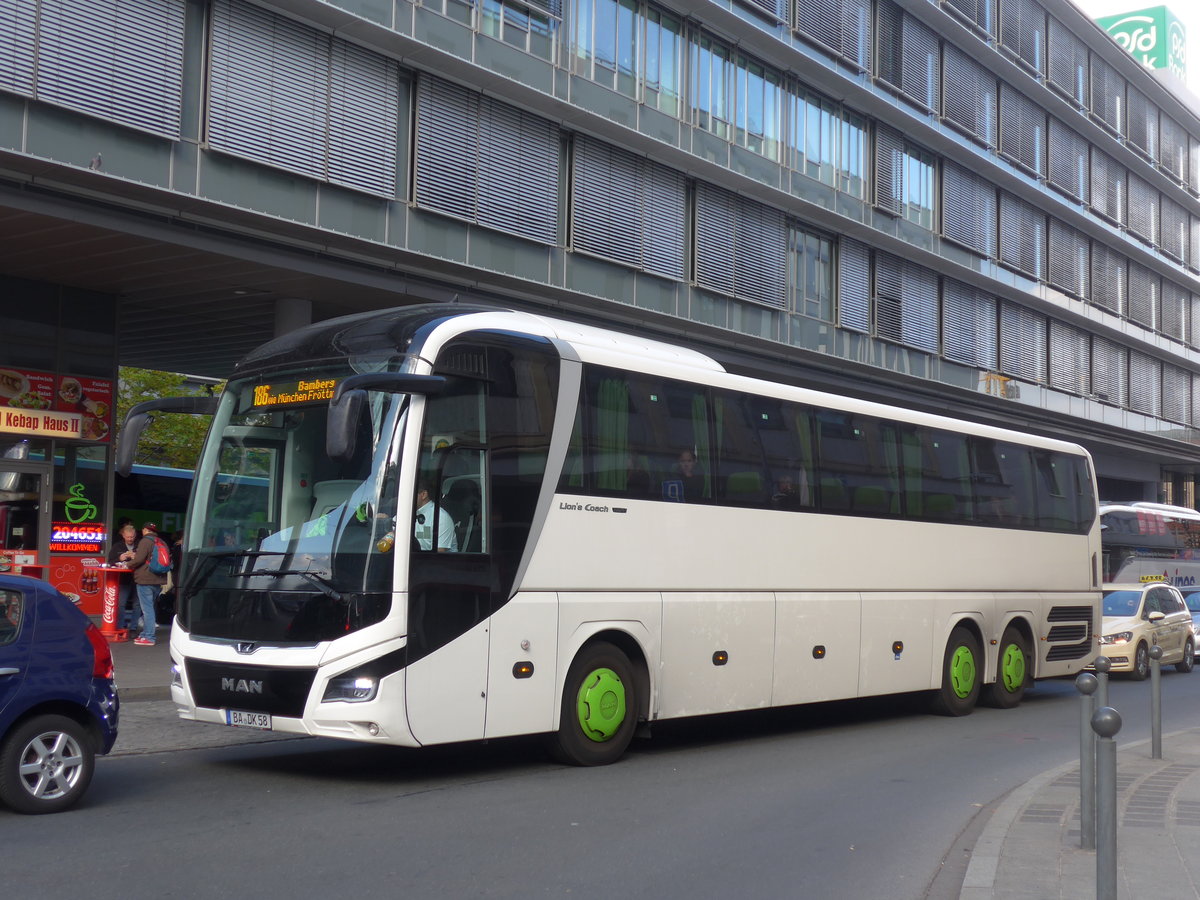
<point x="960" y="675"/>
<point x="599" y="708"/>
<point x="1014" y="671"/>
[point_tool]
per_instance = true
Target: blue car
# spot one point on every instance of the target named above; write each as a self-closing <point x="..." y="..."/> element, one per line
<point x="58" y="701"/>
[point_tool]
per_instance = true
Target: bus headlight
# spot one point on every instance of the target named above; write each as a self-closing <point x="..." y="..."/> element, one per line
<point x="350" y="689"/>
<point x="1121" y="637"/>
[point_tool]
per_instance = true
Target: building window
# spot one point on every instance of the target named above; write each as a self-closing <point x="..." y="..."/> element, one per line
<point x="291" y="96"/>
<point x="906" y="303"/>
<point x="1145" y="384"/>
<point x="840" y="26"/>
<point x="606" y="35"/>
<point x="1109" y="282"/>
<point x="741" y="247"/>
<point x="1144" y="290"/>
<point x="486" y="162"/>
<point x="1022" y="343"/>
<point x="905" y="177"/>
<point x="662" y="78"/>
<point x="759" y="107"/>
<point x="712" y="77"/>
<point x="970" y="95"/>
<point x="812" y="273"/>
<point x="1173" y="147"/>
<point x="828" y="142"/>
<point x="909" y="57"/>
<point x="1070" y="259"/>
<point x="1142" y="116"/>
<point x="120" y="61"/>
<point x="1067" y="63"/>
<point x="1068" y="161"/>
<point x="1173" y="229"/>
<point x="968" y="209"/>
<point x="1176" y="394"/>
<point x="1108" y="95"/>
<point x="979" y="14"/>
<point x="1142" y="209"/>
<point x="1108" y="187"/>
<point x="854" y="285"/>
<point x="628" y="209"/>
<point x="1022" y="130"/>
<point x="1176" y="304"/>
<point x="1022" y="237"/>
<point x="1070" y="358"/>
<point x="1110" y="371"/>
<point x="1023" y="32"/>
<point x="968" y="325"/>
<point x="522" y="26"/>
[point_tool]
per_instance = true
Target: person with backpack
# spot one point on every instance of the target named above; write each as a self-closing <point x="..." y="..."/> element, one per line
<point x="151" y="563"/>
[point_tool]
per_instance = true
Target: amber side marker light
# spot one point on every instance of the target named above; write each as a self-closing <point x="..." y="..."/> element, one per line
<point x="523" y="669"/>
<point x="720" y="658"/>
<point x="819" y="651"/>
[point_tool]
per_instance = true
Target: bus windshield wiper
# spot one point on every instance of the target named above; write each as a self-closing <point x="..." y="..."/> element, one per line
<point x="209" y="560"/>
<point x="319" y="579"/>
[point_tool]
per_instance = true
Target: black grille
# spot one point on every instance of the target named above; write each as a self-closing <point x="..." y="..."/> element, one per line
<point x="1073" y="641"/>
<point x="280" y="692"/>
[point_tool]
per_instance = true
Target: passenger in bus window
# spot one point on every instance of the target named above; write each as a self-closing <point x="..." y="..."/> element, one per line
<point x="790" y="495"/>
<point x="423" y="528"/>
<point x="686" y="484"/>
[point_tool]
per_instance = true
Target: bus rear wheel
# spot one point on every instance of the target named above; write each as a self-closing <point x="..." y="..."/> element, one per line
<point x="1014" y="671"/>
<point x="960" y="675"/>
<point x="599" y="708"/>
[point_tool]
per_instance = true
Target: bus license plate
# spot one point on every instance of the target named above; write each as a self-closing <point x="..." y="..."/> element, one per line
<point x="240" y="719"/>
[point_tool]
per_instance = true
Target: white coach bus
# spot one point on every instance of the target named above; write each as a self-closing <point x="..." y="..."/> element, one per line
<point x="448" y="523"/>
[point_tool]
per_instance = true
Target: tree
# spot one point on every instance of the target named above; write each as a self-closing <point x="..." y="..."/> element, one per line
<point x="171" y="439"/>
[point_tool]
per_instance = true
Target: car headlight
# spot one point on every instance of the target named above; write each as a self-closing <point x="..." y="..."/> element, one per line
<point x="351" y="689"/>
<point x="1121" y="637"/>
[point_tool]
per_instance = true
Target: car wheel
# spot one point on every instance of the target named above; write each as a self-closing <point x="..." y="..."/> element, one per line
<point x="45" y="765"/>
<point x="960" y="675"/>
<point x="599" y="708"/>
<point x="1141" y="663"/>
<point x="1014" y="671"/>
<point x="1188" y="662"/>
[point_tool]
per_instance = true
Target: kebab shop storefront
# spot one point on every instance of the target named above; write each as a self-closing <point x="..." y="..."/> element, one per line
<point x="55" y="464"/>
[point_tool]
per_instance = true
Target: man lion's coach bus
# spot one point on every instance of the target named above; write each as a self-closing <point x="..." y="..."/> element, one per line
<point x="482" y="523"/>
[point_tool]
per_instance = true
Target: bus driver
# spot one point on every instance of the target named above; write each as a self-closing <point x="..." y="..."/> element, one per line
<point x="423" y="529"/>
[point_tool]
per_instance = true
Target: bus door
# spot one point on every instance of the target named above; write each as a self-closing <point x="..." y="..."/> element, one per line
<point x="484" y="443"/>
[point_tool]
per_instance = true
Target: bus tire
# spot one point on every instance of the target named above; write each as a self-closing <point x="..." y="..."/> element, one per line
<point x="960" y="675"/>
<point x="1188" y="662"/>
<point x="599" y="708"/>
<point x="1141" y="663"/>
<point x="1014" y="671"/>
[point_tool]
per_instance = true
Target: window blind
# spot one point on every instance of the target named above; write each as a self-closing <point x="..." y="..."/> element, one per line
<point x="1145" y="384"/>
<point x="1022" y="343"/>
<point x="1070" y="260"/>
<point x="741" y="247"/>
<point x="1066" y="63"/>
<point x="969" y="209"/>
<point x="1022" y="130"/>
<point x="968" y="325"/>
<point x="1022" y="236"/>
<point x="854" y="285"/>
<point x="969" y="95"/>
<point x="1110" y="371"/>
<point x="1109" y="283"/>
<point x="1070" y="358"/>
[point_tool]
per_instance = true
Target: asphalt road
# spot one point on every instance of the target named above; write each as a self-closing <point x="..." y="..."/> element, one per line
<point x="849" y="800"/>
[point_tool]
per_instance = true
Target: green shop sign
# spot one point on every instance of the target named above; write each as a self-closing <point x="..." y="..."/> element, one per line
<point x="1154" y="37"/>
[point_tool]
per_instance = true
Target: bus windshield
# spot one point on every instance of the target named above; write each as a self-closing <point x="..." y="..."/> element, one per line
<point x="285" y="545"/>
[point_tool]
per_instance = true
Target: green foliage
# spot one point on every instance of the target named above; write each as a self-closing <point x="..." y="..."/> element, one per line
<point x="171" y="439"/>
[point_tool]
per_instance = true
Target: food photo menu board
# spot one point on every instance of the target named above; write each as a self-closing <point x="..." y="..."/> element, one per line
<point x="52" y="405"/>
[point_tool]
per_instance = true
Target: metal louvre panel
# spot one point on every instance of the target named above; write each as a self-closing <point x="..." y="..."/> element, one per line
<point x="1108" y="187"/>
<point x="1067" y="63"/>
<point x="1194" y="321"/>
<point x="843" y="26"/>
<point x="1142" y="121"/>
<point x="1108" y="95"/>
<point x="969" y="95"/>
<point x="1144" y="286"/>
<point x="1070" y="358"/>
<point x="968" y="209"/>
<point x="1109" y="282"/>
<point x="773" y="8"/>
<point x="627" y="209"/>
<point x="1023" y="31"/>
<point x="906" y="302"/>
<point x="553" y="7"/>
<point x="889" y="291"/>
<point x="1022" y="130"/>
<point x="1022" y="236"/>
<point x="854" y="285"/>
<point x="1070" y="264"/>
<point x="364" y="119"/>
<point x="447" y="148"/>
<point x="1195" y="410"/>
<point x="1176" y="302"/>
<point x="1173" y="146"/>
<point x="1143" y="209"/>
<point x="1022" y="343"/>
<point x="1193" y="260"/>
<point x="979" y="13"/>
<point x="1110" y="371"/>
<point x="889" y="40"/>
<point x="122" y="61"/>
<point x="889" y="169"/>
<point x="1068" y="161"/>
<point x="1145" y="384"/>
<point x="1193" y="169"/>
<point x="716" y="218"/>
<point x="268" y="85"/>
<point x="922" y="63"/>
<point x="18" y="27"/>
<point x="1176" y="394"/>
<point x="760" y="254"/>
<point x="1173" y="229"/>
<point x="968" y="325"/>
<point x="518" y="172"/>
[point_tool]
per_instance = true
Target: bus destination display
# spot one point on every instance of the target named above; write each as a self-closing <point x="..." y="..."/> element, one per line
<point x="292" y="393"/>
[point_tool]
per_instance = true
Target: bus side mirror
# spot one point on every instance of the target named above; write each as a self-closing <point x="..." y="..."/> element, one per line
<point x="341" y="431"/>
<point x="139" y="417"/>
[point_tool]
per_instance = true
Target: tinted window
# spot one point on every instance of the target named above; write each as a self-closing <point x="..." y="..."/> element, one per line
<point x="1122" y="603"/>
<point x="11" y="609"/>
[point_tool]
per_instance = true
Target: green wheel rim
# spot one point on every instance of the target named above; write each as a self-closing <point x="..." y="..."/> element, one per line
<point x="962" y="672"/>
<point x="1012" y="668"/>
<point x="600" y="705"/>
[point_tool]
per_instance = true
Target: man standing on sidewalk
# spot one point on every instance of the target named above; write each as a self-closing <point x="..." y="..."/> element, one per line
<point x="149" y="583"/>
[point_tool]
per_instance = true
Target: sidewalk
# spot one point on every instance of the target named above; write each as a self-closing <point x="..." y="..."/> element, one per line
<point x="1029" y="850"/>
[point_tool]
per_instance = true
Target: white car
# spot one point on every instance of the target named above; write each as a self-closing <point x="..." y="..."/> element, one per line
<point x="1191" y="596"/>
<point x="1138" y="616"/>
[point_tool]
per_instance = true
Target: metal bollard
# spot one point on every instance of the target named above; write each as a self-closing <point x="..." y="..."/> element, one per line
<point x="1086" y="684"/>
<point x="1106" y="723"/>
<point x="1156" y="702"/>
<point x="1102" y="665"/>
